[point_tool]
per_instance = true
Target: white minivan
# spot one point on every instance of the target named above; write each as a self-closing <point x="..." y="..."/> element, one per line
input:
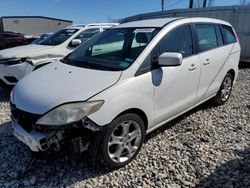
<point x="124" y="83"/>
<point x="17" y="62"/>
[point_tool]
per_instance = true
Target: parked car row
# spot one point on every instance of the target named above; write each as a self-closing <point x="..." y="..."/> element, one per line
<point x="17" y="62"/>
<point x="107" y="94"/>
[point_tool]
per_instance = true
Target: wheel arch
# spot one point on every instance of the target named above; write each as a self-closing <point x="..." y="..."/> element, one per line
<point x="232" y="72"/>
<point x="138" y="112"/>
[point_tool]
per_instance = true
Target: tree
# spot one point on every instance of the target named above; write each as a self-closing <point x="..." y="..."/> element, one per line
<point x="162" y="5"/>
<point x="191" y="3"/>
<point x="210" y="3"/>
<point x="202" y="3"/>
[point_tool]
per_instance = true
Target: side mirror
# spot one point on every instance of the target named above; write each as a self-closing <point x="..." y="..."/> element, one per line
<point x="76" y="42"/>
<point x="170" y="59"/>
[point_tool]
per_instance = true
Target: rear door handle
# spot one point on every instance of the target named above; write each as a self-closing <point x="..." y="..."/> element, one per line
<point x="193" y="67"/>
<point x="207" y="62"/>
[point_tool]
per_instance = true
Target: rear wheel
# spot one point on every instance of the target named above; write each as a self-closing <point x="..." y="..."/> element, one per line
<point x="225" y="90"/>
<point x="122" y="141"/>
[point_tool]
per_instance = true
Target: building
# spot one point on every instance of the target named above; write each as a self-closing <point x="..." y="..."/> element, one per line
<point x="32" y="25"/>
<point x="238" y="16"/>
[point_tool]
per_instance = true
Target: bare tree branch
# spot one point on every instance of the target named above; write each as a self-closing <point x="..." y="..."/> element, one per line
<point x="203" y="3"/>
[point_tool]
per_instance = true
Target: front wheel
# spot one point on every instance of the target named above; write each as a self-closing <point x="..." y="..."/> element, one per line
<point x="225" y="90"/>
<point x="122" y="141"/>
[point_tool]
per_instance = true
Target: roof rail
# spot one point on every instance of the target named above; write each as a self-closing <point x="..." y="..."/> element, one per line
<point x="101" y="24"/>
<point x="93" y="24"/>
<point x="77" y="25"/>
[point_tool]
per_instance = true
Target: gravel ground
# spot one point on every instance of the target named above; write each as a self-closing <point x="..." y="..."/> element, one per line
<point x="207" y="147"/>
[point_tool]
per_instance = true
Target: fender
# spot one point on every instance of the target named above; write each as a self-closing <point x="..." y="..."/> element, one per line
<point x="124" y="96"/>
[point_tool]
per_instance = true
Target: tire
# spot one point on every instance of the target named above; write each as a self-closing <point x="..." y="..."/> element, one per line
<point x="225" y="90"/>
<point x="122" y="141"/>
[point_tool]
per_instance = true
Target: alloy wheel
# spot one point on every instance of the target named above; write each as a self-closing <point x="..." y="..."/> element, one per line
<point x="226" y="88"/>
<point x="124" y="141"/>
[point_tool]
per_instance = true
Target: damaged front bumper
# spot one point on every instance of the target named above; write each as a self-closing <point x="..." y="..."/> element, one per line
<point x="11" y="74"/>
<point x="77" y="138"/>
<point x="35" y="140"/>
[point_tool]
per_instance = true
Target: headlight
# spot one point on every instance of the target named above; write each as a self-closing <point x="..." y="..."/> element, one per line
<point x="69" y="113"/>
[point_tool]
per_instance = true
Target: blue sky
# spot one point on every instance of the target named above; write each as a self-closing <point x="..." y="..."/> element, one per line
<point x="85" y="11"/>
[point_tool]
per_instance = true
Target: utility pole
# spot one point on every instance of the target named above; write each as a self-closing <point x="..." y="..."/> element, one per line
<point x="162" y="5"/>
<point x="204" y="3"/>
<point x="191" y="3"/>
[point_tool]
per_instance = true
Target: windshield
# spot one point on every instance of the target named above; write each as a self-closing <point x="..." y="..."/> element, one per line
<point x="59" y="37"/>
<point x="113" y="49"/>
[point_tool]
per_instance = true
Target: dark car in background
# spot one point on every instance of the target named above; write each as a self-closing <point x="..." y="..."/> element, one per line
<point x="10" y="39"/>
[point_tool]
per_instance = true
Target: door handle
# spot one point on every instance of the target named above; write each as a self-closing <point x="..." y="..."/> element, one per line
<point x="207" y="62"/>
<point x="193" y="67"/>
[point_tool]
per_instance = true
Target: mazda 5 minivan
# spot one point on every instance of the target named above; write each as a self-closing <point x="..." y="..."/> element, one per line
<point x="124" y="83"/>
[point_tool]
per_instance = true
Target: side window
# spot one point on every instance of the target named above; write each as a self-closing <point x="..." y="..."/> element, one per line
<point x="219" y="35"/>
<point x="178" y="40"/>
<point x="87" y="34"/>
<point x="207" y="39"/>
<point x="229" y="34"/>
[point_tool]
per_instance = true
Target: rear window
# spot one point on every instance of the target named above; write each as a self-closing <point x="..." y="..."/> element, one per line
<point x="228" y="34"/>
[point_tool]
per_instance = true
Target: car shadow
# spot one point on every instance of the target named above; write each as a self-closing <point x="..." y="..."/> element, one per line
<point x="234" y="173"/>
<point x="204" y="106"/>
<point x="4" y="94"/>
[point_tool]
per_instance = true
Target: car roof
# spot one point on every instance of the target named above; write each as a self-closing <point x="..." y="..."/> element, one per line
<point x="161" y="22"/>
<point x="158" y="22"/>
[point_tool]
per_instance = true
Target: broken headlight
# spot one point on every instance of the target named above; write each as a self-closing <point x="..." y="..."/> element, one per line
<point x="69" y="113"/>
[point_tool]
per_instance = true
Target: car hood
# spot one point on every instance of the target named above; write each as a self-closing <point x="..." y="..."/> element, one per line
<point x="58" y="83"/>
<point x="30" y="50"/>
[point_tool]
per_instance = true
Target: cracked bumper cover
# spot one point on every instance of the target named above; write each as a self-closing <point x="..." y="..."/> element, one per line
<point x="37" y="141"/>
<point x="33" y="139"/>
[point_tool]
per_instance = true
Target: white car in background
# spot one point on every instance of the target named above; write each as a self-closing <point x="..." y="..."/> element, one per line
<point x="17" y="62"/>
<point x="124" y="83"/>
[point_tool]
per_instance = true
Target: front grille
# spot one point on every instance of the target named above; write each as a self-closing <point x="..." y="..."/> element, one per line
<point x="24" y="119"/>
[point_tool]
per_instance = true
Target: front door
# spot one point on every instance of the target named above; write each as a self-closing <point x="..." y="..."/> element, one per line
<point x="176" y="87"/>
